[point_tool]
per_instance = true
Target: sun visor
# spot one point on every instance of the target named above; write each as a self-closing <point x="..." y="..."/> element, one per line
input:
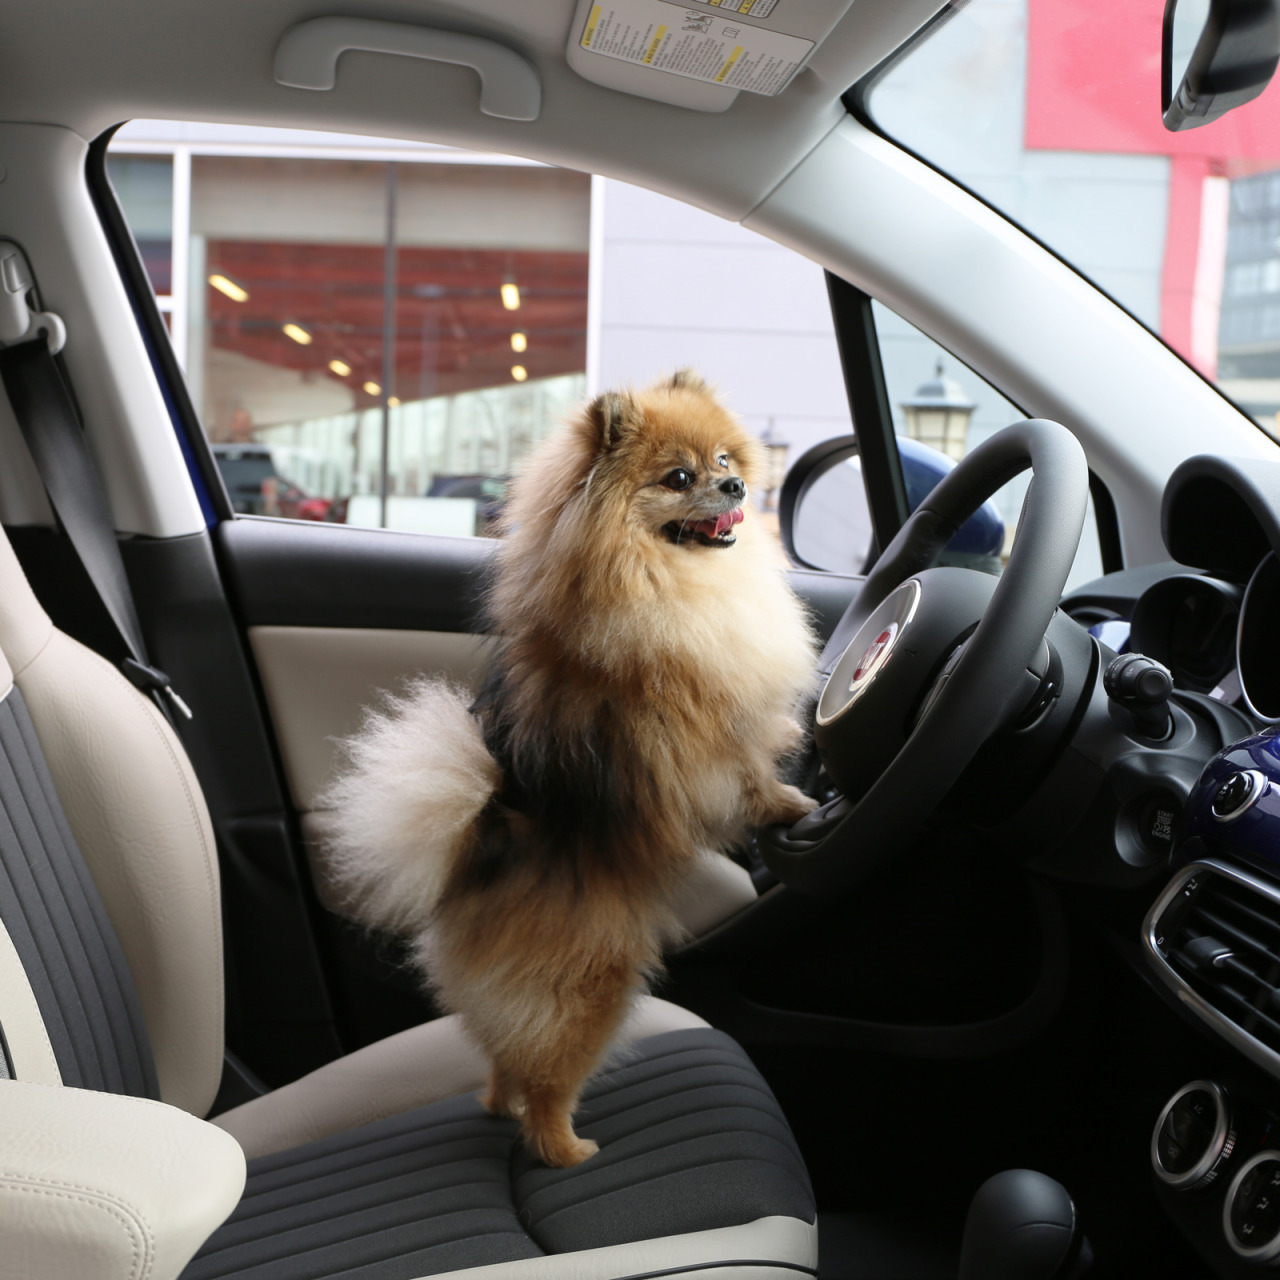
<point x="700" y="54"/>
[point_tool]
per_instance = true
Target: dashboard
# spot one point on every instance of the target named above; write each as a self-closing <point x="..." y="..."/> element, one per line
<point x="1211" y="939"/>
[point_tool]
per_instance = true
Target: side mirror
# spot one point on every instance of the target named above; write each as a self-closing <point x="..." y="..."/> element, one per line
<point x="1217" y="55"/>
<point x="825" y="520"/>
<point x="823" y="514"/>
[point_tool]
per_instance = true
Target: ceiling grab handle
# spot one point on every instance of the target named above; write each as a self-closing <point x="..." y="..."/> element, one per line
<point x="307" y="58"/>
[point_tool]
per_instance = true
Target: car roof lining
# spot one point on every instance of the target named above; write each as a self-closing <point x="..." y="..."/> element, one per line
<point x="88" y="67"/>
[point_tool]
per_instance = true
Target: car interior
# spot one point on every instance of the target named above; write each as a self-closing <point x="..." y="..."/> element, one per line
<point x="1006" y="1004"/>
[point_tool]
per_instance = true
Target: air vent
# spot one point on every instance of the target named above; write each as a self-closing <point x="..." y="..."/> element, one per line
<point x="1215" y="938"/>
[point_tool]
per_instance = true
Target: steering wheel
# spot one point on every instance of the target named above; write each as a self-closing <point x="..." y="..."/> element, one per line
<point x="927" y="663"/>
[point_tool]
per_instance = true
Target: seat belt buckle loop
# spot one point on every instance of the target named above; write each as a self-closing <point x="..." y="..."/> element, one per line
<point x="19" y="320"/>
<point x="153" y="680"/>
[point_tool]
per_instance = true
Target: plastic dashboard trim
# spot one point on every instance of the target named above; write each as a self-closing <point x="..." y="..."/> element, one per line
<point x="1236" y="1036"/>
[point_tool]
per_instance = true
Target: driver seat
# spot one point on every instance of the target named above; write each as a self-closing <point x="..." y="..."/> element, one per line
<point x="380" y="1166"/>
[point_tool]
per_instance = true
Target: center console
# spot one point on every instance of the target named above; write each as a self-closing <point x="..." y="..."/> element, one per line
<point x="1213" y="940"/>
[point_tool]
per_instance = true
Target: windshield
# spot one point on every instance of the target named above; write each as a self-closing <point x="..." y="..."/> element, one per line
<point x="1050" y="111"/>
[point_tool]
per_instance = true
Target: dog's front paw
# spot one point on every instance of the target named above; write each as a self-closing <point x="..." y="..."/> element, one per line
<point x="790" y="735"/>
<point x="790" y="804"/>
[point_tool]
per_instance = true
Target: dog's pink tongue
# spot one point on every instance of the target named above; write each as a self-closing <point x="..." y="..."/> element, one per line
<point x="725" y="520"/>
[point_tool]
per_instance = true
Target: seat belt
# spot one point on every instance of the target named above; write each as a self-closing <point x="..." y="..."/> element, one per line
<point x="47" y="417"/>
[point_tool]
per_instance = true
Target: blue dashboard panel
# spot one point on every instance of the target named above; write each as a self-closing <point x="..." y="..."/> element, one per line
<point x="1253" y="833"/>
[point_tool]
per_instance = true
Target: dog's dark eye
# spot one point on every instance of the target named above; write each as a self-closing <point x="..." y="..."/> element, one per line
<point x="679" y="479"/>
<point x="723" y="460"/>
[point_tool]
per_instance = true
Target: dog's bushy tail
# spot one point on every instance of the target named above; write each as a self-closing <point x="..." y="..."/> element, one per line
<point x="416" y="775"/>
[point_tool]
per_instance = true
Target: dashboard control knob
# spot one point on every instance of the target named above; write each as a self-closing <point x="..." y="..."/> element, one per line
<point x="1142" y="686"/>
<point x="1194" y="1136"/>
<point x="1251" y="1213"/>
<point x="1237" y="794"/>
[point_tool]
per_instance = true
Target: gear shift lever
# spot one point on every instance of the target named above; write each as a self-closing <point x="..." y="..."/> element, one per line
<point x="1023" y="1226"/>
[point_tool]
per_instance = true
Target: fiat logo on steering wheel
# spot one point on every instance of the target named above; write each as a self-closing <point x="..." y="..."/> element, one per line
<point x="874" y="656"/>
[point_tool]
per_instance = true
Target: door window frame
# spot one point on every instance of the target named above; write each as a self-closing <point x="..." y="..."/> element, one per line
<point x="859" y="346"/>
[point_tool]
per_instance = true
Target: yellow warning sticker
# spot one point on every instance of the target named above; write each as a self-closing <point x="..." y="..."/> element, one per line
<point x="728" y="66"/>
<point x="656" y="44"/>
<point x="707" y="43"/>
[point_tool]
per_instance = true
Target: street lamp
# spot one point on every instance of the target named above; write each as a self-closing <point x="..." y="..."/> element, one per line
<point x="938" y="414"/>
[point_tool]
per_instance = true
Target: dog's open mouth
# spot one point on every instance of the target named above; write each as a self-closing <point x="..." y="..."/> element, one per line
<point x="715" y="532"/>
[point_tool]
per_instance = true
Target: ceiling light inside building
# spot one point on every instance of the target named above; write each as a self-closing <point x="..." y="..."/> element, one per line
<point x="340" y="367"/>
<point x="519" y="342"/>
<point x="511" y="295"/>
<point x="519" y="372"/>
<point x="297" y="333"/>
<point x="373" y="389"/>
<point x="393" y="401"/>
<point x="230" y="288"/>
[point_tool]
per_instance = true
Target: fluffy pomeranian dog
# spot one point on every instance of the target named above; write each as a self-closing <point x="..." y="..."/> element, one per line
<point x="530" y="842"/>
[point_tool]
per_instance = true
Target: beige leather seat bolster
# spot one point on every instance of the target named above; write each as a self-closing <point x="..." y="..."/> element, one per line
<point x="102" y="1186"/>
<point x="424" y="1064"/>
<point x="24" y="1031"/>
<point x="767" y="1249"/>
<point x="139" y="817"/>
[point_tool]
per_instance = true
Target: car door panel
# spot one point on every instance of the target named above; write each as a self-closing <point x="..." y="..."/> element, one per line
<point x="318" y="681"/>
<point x="336" y="617"/>
<point x="304" y="574"/>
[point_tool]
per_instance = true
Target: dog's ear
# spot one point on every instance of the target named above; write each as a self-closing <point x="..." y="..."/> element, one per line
<point x="687" y="380"/>
<point x="615" y="416"/>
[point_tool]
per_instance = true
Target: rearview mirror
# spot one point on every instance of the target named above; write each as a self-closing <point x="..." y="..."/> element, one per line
<point x="1218" y="54"/>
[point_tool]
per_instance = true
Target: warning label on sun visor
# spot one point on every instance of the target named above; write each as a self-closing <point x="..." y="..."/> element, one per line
<point x="701" y="46"/>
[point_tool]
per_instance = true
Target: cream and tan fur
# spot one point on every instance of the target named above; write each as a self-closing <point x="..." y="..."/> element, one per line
<point x="530" y="843"/>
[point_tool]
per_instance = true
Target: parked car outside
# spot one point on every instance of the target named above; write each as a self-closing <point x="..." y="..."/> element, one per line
<point x="257" y="489"/>
<point x="490" y="493"/>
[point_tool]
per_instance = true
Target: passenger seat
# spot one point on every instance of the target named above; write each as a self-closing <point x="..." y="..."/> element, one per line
<point x="380" y="1166"/>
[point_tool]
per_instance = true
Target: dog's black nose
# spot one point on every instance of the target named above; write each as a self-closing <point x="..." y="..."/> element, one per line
<point x="734" y="487"/>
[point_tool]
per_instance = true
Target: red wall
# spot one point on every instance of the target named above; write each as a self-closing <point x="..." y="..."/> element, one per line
<point x="1093" y="71"/>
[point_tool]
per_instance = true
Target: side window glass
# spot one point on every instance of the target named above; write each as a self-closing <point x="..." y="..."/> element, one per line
<point x="369" y="335"/>
<point x="333" y="307"/>
<point x="683" y="288"/>
<point x="941" y="410"/>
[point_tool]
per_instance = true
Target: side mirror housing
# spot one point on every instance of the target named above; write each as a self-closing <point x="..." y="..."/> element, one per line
<point x="824" y="517"/>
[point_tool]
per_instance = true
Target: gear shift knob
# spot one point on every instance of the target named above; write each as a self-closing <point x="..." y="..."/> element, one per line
<point x="1023" y="1226"/>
